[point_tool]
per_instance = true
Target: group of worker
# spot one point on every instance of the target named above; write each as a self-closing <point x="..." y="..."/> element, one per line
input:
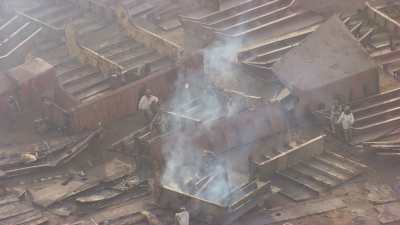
<point x="343" y="117"/>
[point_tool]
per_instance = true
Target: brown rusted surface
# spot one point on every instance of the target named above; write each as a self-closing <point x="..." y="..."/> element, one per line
<point x="292" y="157"/>
<point x="87" y="56"/>
<point x="150" y="39"/>
<point x="343" y="69"/>
<point x="376" y="115"/>
<point x="236" y="203"/>
<point x="249" y="23"/>
<point x="224" y="134"/>
<point x="267" y="53"/>
<point x="382" y="19"/>
<point x="377" y="29"/>
<point x="121" y="102"/>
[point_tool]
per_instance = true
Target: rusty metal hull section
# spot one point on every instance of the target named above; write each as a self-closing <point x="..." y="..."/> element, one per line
<point x="53" y="160"/>
<point x="241" y="201"/>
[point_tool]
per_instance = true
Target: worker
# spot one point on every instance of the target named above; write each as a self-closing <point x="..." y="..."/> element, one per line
<point x="335" y="112"/>
<point x="182" y="217"/>
<point x="346" y="119"/>
<point x="145" y="103"/>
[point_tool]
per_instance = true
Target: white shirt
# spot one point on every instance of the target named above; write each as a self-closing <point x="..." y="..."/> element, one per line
<point x="346" y="120"/>
<point x="145" y="102"/>
<point x="182" y="218"/>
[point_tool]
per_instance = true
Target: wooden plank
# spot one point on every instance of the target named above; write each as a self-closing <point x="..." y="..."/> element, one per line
<point x="389" y="213"/>
<point x="293" y="212"/>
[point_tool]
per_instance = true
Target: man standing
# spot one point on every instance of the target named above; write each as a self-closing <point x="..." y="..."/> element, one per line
<point x="145" y="105"/>
<point x="182" y="217"/>
<point x="347" y="121"/>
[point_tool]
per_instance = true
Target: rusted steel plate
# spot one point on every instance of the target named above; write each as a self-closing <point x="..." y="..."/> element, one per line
<point x="293" y="212"/>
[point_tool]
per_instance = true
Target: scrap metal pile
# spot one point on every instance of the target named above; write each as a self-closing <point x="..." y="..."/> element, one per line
<point x="45" y="155"/>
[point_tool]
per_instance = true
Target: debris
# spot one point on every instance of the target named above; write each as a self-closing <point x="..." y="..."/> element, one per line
<point x="379" y="194"/>
<point x="54" y="192"/>
<point x="94" y="222"/>
<point x="49" y="159"/>
<point x="90" y="163"/>
<point x="293" y="212"/>
<point x="15" y="211"/>
<point x="67" y="180"/>
<point x="46" y="195"/>
<point x="133" y="187"/>
<point x="62" y="211"/>
<point x="389" y="213"/>
<point x="151" y="218"/>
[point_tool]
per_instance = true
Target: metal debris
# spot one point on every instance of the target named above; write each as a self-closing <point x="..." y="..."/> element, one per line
<point x="389" y="213"/>
<point x="292" y="212"/>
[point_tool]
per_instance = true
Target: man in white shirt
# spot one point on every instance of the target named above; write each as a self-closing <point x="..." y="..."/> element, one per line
<point x="145" y="104"/>
<point x="347" y="121"/>
<point x="182" y="217"/>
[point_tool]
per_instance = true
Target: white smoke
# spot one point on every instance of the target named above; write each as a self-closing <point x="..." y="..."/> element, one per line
<point x="185" y="161"/>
